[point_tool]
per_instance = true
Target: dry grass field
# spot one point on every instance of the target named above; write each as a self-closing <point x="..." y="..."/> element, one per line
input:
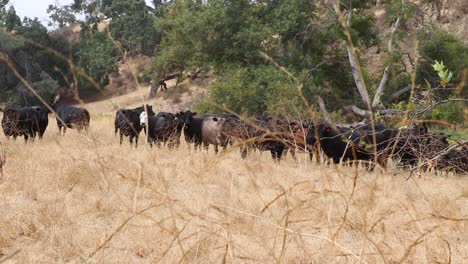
<point x="85" y="199"/>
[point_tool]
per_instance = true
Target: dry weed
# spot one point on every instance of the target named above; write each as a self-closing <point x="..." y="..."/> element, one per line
<point x="84" y="198"/>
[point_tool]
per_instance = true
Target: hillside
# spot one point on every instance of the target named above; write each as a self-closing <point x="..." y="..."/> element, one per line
<point x="450" y="15"/>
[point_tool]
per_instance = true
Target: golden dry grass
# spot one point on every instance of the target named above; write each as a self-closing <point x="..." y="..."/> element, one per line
<point x="85" y="199"/>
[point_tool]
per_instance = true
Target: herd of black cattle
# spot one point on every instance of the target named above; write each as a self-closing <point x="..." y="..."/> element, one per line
<point x="413" y="146"/>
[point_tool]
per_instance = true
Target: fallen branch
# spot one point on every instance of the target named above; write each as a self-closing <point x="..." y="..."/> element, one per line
<point x="365" y="113"/>
<point x="429" y="108"/>
<point x="399" y="93"/>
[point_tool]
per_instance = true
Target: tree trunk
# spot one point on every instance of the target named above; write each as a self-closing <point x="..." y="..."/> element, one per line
<point x="153" y="91"/>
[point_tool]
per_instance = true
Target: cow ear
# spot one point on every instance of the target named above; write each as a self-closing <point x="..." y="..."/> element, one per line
<point x="194" y="113"/>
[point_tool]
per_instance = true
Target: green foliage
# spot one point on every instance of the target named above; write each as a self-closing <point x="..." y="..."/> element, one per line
<point x="29" y="50"/>
<point x="451" y="112"/>
<point x="362" y="30"/>
<point x="222" y="34"/>
<point x="98" y="57"/>
<point x="397" y="8"/>
<point x="197" y="34"/>
<point x="444" y="74"/>
<point x="45" y="87"/>
<point x="132" y="25"/>
<point x="12" y="21"/>
<point x="61" y="16"/>
<point x="439" y="45"/>
<point x="250" y="91"/>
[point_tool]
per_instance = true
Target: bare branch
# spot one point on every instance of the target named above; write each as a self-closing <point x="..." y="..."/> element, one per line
<point x="357" y="76"/>
<point x="365" y="113"/>
<point x="383" y="81"/>
<point x="429" y="108"/>
<point x="400" y="92"/>
<point x="322" y="108"/>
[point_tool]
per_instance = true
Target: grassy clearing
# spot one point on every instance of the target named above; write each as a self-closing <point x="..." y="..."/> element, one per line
<point x="77" y="198"/>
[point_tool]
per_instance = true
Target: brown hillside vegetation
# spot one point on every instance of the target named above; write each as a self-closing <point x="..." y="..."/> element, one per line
<point x="85" y="199"/>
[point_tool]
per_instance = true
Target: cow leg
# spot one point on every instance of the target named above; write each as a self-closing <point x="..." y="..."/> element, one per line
<point x="216" y="149"/>
<point x="243" y="151"/>
<point x="64" y="130"/>
<point x="292" y="150"/>
<point x="136" y="141"/>
<point x="277" y="152"/>
<point x="205" y="146"/>
<point x="131" y="140"/>
<point x="121" y="137"/>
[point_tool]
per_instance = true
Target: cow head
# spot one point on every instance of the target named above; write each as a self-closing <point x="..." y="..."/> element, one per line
<point x="10" y="114"/>
<point x="149" y="110"/>
<point x="186" y="117"/>
<point x="143" y="120"/>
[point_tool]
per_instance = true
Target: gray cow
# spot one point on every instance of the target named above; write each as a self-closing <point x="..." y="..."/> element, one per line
<point x="212" y="132"/>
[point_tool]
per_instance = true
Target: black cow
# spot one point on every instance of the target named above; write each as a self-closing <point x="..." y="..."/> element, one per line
<point x="334" y="146"/>
<point x="70" y="116"/>
<point x="192" y="128"/>
<point x="164" y="127"/>
<point x="127" y="122"/>
<point x="406" y="144"/>
<point x="261" y="133"/>
<point x="25" y="121"/>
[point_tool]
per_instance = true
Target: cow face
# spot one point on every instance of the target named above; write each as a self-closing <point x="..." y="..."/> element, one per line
<point x="149" y="110"/>
<point x="143" y="119"/>
<point x="186" y="117"/>
<point x="10" y="114"/>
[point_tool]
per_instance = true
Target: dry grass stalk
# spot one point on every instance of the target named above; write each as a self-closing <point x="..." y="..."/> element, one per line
<point x="2" y="160"/>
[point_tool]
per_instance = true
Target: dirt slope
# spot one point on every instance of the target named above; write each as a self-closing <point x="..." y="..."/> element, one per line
<point x="175" y="99"/>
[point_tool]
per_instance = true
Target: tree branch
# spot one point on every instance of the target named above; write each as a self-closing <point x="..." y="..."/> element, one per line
<point x="400" y="92"/>
<point x="322" y="108"/>
<point x="429" y="108"/>
<point x="365" y="113"/>
<point x="383" y="81"/>
<point x="357" y="77"/>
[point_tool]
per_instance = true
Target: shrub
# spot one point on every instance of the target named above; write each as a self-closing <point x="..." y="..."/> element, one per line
<point x="439" y="45"/>
<point x="250" y="91"/>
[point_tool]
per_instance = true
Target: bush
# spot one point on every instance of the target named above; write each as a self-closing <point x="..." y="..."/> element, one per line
<point x="438" y="44"/>
<point x="450" y="112"/>
<point x="251" y="91"/>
